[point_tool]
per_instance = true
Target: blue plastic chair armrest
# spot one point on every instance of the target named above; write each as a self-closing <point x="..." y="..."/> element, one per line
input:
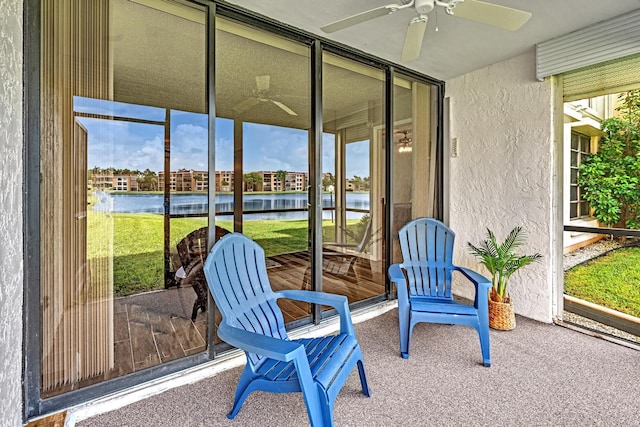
<point x="397" y="276"/>
<point x="339" y="302"/>
<point x="273" y="348"/>
<point x="481" y="283"/>
<point x="323" y="298"/>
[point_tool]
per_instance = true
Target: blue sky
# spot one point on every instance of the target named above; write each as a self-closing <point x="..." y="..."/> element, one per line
<point x="140" y="146"/>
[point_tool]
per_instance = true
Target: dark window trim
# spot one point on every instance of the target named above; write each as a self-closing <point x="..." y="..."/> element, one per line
<point x="388" y="182"/>
<point x="578" y="201"/>
<point x="31" y="202"/>
<point x="604" y="230"/>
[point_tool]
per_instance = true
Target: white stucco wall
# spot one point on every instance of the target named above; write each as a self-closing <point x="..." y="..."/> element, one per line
<point x="502" y="175"/>
<point x="11" y="145"/>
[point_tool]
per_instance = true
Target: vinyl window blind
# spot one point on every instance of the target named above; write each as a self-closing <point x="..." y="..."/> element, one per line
<point x="602" y="58"/>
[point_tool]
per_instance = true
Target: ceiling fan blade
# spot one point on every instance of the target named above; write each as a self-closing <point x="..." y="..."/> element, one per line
<point x="360" y="17"/>
<point x="246" y="104"/>
<point x="492" y="14"/>
<point x="262" y="83"/>
<point x="413" y="39"/>
<point x="285" y="108"/>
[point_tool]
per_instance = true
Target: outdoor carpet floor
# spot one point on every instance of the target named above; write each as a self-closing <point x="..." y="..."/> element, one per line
<point x="541" y="375"/>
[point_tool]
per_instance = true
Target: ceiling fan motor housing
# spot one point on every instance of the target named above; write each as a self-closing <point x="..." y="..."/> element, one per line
<point x="424" y="6"/>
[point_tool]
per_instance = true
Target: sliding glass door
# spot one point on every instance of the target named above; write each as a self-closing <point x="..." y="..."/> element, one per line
<point x="262" y="147"/>
<point x="138" y="180"/>
<point x="123" y="141"/>
<point x="414" y="155"/>
<point x="353" y="170"/>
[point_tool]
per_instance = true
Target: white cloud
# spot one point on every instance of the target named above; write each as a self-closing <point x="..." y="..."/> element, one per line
<point x="224" y="153"/>
<point x="189" y="147"/>
<point x="141" y="146"/>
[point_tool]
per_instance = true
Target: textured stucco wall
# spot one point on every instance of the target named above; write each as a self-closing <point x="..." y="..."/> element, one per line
<point x="11" y="144"/>
<point x="502" y="176"/>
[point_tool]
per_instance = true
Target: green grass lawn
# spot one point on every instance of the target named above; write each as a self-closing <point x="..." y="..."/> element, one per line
<point x="612" y="280"/>
<point x="136" y="243"/>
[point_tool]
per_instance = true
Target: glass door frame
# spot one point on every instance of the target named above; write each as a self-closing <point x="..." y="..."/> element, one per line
<point x="34" y="405"/>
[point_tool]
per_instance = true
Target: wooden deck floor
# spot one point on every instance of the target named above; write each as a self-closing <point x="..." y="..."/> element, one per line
<point x="358" y="284"/>
<point x="156" y="327"/>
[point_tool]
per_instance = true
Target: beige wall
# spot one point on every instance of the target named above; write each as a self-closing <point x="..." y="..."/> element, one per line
<point x="11" y="268"/>
<point x="502" y="176"/>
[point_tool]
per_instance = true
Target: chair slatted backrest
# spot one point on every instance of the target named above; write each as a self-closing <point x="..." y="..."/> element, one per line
<point x="237" y="275"/>
<point x="427" y="252"/>
<point x="190" y="244"/>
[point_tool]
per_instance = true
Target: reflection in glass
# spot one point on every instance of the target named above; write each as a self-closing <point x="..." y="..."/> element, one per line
<point x="353" y="168"/>
<point x="414" y="159"/>
<point x="102" y="107"/>
<point x="262" y="148"/>
<point x="122" y="106"/>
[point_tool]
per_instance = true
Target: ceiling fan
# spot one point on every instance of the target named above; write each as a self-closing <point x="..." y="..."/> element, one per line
<point x="475" y="10"/>
<point x="404" y="143"/>
<point x="405" y="140"/>
<point x="261" y="94"/>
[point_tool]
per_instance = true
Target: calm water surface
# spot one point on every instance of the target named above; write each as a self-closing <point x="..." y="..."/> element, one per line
<point x="197" y="204"/>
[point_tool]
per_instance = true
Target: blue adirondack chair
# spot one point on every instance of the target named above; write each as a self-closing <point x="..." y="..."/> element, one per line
<point x="252" y="321"/>
<point x="423" y="280"/>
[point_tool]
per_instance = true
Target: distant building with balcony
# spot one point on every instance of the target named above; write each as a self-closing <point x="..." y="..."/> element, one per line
<point x="185" y="180"/>
<point x="115" y="182"/>
<point x="224" y="181"/>
<point x="294" y="181"/>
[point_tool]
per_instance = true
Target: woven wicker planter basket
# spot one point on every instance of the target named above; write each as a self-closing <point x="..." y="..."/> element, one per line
<point x="501" y="315"/>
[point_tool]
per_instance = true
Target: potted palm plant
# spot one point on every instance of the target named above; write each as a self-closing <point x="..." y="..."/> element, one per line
<point x="502" y="261"/>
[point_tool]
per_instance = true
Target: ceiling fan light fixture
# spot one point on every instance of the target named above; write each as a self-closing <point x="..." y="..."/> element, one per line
<point x="405" y="142"/>
<point x="261" y="94"/>
<point x="424" y="6"/>
<point x="473" y="10"/>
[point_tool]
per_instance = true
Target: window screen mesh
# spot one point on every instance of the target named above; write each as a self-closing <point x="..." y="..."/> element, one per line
<point x="618" y="75"/>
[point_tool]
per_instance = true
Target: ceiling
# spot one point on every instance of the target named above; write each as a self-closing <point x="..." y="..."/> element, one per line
<point x="459" y="46"/>
<point x="159" y="59"/>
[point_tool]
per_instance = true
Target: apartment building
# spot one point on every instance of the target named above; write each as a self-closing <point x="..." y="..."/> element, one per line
<point x="224" y="181"/>
<point x="115" y="182"/>
<point x="186" y="180"/>
<point x="294" y="181"/>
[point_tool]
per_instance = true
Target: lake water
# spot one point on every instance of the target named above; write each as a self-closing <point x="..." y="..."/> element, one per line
<point x="198" y="204"/>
